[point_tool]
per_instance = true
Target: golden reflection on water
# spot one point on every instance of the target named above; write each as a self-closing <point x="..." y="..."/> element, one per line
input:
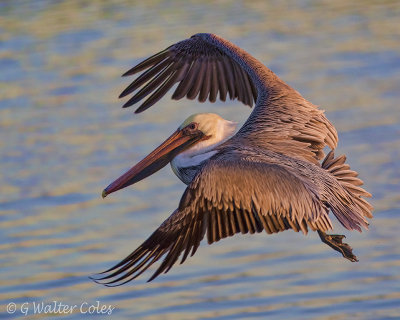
<point x="64" y="138"/>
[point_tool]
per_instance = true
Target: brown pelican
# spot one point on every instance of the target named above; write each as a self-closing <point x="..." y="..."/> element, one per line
<point x="267" y="176"/>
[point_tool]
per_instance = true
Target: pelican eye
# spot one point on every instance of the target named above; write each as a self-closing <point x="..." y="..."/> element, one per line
<point x="192" y="126"/>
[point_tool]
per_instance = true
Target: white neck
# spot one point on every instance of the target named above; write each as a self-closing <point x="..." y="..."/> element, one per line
<point x="186" y="164"/>
<point x="182" y="160"/>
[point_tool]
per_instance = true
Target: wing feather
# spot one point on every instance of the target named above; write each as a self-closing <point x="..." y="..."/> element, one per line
<point x="149" y="62"/>
<point x="206" y="85"/>
<point x="188" y="81"/>
<point x="144" y="77"/>
<point x="194" y="90"/>
<point x="150" y="86"/>
<point x="168" y="83"/>
<point x="226" y="63"/>
<point x="214" y="83"/>
<point x="223" y="86"/>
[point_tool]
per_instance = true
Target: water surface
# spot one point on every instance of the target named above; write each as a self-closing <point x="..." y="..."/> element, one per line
<point x="64" y="137"/>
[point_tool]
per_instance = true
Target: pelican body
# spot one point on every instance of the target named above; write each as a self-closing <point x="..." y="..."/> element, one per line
<point x="266" y="177"/>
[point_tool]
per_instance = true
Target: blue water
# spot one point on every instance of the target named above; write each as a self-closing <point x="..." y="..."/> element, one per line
<point x="64" y="137"/>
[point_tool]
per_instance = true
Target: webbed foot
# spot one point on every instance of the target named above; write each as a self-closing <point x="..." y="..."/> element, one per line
<point x="335" y="242"/>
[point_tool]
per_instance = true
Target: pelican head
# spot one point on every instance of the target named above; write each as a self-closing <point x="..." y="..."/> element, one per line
<point x="191" y="144"/>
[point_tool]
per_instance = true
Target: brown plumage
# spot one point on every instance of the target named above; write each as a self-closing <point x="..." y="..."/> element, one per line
<point x="266" y="177"/>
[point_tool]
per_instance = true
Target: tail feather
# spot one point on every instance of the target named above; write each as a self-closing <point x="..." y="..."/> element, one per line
<point x="352" y="208"/>
<point x="346" y="173"/>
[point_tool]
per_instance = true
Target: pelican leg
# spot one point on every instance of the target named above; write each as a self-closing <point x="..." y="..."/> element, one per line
<point x="335" y="242"/>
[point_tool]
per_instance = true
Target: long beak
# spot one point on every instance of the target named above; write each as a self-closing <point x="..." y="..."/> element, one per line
<point x="156" y="160"/>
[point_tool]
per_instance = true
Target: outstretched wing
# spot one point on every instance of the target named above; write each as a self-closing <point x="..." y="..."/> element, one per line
<point x="206" y="65"/>
<point x="202" y="70"/>
<point x="225" y="198"/>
